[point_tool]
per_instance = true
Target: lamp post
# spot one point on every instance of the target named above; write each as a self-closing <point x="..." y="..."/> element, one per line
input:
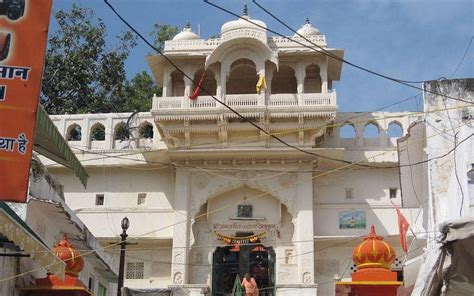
<point x="123" y="244"/>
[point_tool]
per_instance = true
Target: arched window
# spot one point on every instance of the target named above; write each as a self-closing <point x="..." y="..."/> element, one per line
<point x="242" y="78"/>
<point x="312" y="80"/>
<point x="395" y="130"/>
<point x="209" y="82"/>
<point x="371" y="130"/>
<point x="121" y="133"/>
<point x="347" y="131"/>
<point x="74" y="132"/>
<point x="177" y="84"/>
<point x="284" y="81"/>
<point x="146" y="131"/>
<point x="98" y="132"/>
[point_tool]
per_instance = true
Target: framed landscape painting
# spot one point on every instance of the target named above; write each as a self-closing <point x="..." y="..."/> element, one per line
<point x="352" y="220"/>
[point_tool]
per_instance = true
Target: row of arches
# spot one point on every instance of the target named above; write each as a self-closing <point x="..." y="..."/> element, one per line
<point x="371" y="130"/>
<point x="97" y="132"/>
<point x="243" y="78"/>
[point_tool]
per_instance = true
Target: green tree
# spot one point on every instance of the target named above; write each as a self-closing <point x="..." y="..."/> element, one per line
<point x="82" y="74"/>
<point x="161" y="33"/>
<point x="137" y="93"/>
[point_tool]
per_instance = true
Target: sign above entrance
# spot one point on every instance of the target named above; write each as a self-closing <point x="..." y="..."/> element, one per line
<point x="240" y="240"/>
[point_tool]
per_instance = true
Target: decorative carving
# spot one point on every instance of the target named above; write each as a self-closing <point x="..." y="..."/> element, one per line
<point x="201" y="181"/>
<point x="198" y="259"/>
<point x="178" y="278"/>
<point x="307" y="278"/>
<point x="289" y="256"/>
<point x="178" y="259"/>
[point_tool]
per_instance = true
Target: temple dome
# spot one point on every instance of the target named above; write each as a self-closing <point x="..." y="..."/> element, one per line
<point x="186" y="34"/>
<point x="373" y="252"/>
<point x="243" y="24"/>
<point x="65" y="251"/>
<point x="308" y="30"/>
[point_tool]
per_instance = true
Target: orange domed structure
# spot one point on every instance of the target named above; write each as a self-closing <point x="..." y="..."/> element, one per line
<point x="70" y="285"/>
<point x="65" y="251"/>
<point x="373" y="252"/>
<point x="373" y="257"/>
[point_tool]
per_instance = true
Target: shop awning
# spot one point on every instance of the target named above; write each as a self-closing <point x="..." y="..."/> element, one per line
<point x="16" y="230"/>
<point x="51" y="144"/>
<point x="449" y="267"/>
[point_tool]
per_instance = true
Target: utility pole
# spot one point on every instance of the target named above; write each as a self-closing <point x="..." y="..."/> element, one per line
<point x="123" y="245"/>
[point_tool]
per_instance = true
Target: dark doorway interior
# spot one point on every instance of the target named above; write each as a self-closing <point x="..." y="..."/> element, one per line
<point x="255" y="259"/>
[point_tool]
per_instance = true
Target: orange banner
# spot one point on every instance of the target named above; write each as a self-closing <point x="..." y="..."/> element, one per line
<point x="23" y="35"/>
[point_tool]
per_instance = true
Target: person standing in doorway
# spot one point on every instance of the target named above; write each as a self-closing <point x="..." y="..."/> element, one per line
<point x="250" y="285"/>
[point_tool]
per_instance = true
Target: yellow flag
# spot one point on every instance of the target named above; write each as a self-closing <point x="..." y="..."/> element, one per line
<point x="261" y="84"/>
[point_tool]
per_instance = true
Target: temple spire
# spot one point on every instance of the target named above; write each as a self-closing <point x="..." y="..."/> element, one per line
<point x="246" y="11"/>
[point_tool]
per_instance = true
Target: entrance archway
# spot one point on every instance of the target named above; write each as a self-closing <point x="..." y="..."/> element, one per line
<point x="230" y="261"/>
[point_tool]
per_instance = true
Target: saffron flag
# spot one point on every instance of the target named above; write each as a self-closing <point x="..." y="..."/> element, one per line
<point x="197" y="89"/>
<point x="403" y="227"/>
<point x="261" y="84"/>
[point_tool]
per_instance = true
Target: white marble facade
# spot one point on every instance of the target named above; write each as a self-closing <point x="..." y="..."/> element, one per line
<point x="201" y="161"/>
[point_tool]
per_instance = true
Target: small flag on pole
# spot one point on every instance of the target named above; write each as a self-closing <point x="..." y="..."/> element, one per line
<point x="198" y="88"/>
<point x="403" y="227"/>
<point x="261" y="84"/>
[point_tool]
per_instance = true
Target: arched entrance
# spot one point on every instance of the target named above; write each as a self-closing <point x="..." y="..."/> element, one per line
<point x="255" y="259"/>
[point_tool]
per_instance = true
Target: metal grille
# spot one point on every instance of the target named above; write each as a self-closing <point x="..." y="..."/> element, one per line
<point x="244" y="211"/>
<point x="135" y="270"/>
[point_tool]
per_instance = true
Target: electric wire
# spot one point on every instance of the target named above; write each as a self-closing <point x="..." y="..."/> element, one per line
<point x="323" y="50"/>
<point x="222" y="103"/>
<point x="190" y="218"/>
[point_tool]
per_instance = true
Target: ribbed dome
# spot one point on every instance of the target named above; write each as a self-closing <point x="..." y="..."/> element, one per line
<point x="308" y="30"/>
<point x="373" y="252"/>
<point x="186" y="34"/>
<point x="243" y="24"/>
<point x="65" y="251"/>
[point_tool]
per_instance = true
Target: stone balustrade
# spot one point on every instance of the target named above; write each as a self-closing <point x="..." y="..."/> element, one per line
<point x="104" y="132"/>
<point x="275" y="42"/>
<point x="248" y="101"/>
<point x="357" y="123"/>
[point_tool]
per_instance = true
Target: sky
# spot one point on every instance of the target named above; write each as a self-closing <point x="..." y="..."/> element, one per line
<point x="406" y="39"/>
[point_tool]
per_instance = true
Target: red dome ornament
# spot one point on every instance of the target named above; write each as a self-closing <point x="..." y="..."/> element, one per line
<point x="65" y="251"/>
<point x="373" y="252"/>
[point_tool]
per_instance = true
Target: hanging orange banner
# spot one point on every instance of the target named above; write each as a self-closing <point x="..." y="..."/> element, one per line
<point x="23" y="35"/>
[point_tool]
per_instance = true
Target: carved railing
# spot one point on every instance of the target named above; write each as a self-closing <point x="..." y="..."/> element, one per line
<point x="274" y="42"/>
<point x="246" y="100"/>
<point x="283" y="100"/>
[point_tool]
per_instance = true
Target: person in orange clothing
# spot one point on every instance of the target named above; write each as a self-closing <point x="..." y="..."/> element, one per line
<point x="250" y="285"/>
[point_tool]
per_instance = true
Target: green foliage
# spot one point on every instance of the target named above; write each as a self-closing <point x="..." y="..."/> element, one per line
<point x="98" y="133"/>
<point x="161" y="33"/>
<point x="137" y="94"/>
<point x="81" y="73"/>
<point x="146" y="131"/>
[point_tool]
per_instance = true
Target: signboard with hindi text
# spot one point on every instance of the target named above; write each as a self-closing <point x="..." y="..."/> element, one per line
<point x="23" y="36"/>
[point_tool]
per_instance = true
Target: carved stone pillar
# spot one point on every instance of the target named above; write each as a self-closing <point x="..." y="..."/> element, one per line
<point x="323" y="72"/>
<point x="305" y="229"/>
<point x="181" y="231"/>
<point x="300" y="73"/>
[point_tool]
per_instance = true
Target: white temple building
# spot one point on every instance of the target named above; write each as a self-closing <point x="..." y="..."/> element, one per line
<point x="210" y="196"/>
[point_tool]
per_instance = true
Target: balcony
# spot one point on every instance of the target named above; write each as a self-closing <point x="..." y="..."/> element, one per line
<point x="308" y="102"/>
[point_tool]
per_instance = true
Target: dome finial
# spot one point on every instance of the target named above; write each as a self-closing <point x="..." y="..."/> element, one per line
<point x="188" y="25"/>
<point x="306" y="21"/>
<point x="246" y="11"/>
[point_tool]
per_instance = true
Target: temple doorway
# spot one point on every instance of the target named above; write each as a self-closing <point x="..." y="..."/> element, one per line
<point x="255" y="259"/>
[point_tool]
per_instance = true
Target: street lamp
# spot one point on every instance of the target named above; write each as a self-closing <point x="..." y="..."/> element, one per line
<point x="123" y="244"/>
